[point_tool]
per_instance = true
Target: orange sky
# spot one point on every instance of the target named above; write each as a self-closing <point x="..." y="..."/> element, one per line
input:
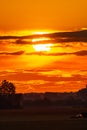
<point x="48" y="67"/>
<point x="45" y="63"/>
<point x="42" y="14"/>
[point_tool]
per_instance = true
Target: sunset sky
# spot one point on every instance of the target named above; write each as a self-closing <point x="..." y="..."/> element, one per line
<point x="54" y="62"/>
<point x="42" y="14"/>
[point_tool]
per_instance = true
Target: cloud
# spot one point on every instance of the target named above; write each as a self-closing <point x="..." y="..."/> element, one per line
<point x="78" y="53"/>
<point x="8" y="37"/>
<point x="26" y="80"/>
<point x="47" y="54"/>
<point x="12" y="53"/>
<point x="28" y="76"/>
<point x="21" y="41"/>
<point x="76" y="36"/>
<point x="81" y="53"/>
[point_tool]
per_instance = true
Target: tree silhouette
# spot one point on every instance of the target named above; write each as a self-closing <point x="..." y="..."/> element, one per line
<point x="7" y="87"/>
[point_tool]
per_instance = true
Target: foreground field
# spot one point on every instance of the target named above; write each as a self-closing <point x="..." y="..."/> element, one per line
<point x="42" y="119"/>
<point x="45" y="125"/>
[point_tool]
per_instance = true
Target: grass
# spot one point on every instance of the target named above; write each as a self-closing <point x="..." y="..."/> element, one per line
<point x="45" y="125"/>
<point x="42" y="119"/>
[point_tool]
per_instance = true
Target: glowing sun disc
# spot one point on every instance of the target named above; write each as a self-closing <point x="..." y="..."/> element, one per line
<point x="42" y="47"/>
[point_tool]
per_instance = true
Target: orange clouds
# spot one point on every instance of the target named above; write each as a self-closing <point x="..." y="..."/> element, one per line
<point x="63" y="68"/>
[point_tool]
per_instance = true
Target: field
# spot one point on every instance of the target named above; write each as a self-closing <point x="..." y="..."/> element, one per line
<point x="42" y="119"/>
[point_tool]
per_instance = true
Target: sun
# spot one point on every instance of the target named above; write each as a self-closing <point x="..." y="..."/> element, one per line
<point x="42" y="47"/>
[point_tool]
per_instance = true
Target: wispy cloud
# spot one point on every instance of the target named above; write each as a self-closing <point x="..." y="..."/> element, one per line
<point x="12" y="53"/>
<point x="81" y="53"/>
<point x="29" y="80"/>
<point x="78" y="53"/>
<point x="29" y="76"/>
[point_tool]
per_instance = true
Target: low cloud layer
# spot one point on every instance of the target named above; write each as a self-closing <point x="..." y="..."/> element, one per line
<point x="29" y="80"/>
<point x="77" y="36"/>
<point x="78" y="53"/>
<point x="12" y="53"/>
<point x="34" y="76"/>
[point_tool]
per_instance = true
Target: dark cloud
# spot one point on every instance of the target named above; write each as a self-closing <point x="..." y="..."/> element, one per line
<point x="20" y="41"/>
<point x="39" y="70"/>
<point x="12" y="53"/>
<point x="76" y="36"/>
<point x="8" y="37"/>
<point x="81" y="53"/>
<point x="63" y="45"/>
<point x="78" y="53"/>
<point x="47" y="54"/>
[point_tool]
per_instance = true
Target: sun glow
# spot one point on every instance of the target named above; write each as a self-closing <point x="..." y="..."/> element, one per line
<point x="40" y="39"/>
<point x="42" y="47"/>
<point x="41" y="33"/>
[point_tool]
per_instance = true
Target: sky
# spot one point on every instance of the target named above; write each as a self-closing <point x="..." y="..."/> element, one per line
<point x="42" y="15"/>
<point x="45" y="62"/>
<point x="53" y="62"/>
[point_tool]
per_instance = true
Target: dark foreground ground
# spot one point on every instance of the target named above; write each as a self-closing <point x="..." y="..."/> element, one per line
<point x="42" y="119"/>
<point x="45" y="125"/>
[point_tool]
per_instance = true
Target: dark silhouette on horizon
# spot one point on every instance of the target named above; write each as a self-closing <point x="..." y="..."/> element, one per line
<point x="8" y="97"/>
<point x="7" y="87"/>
